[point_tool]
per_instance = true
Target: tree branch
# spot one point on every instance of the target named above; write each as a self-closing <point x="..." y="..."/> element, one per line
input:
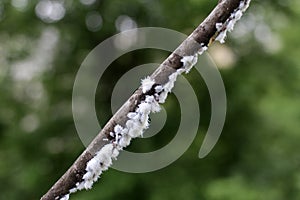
<point x="145" y="99"/>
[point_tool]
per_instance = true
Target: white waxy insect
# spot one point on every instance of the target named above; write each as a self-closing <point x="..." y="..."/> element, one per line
<point x="147" y="84"/>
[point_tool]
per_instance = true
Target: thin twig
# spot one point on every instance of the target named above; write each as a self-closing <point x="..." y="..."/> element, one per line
<point x="214" y="27"/>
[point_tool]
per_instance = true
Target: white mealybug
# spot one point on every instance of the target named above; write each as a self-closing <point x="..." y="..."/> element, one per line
<point x="238" y="15"/>
<point x="162" y="97"/>
<point x="244" y="5"/>
<point x="189" y="62"/>
<point x="130" y="124"/>
<point x="104" y="155"/>
<point x="219" y="26"/>
<point x="124" y="140"/>
<point x="221" y="37"/>
<point x="132" y="115"/>
<point x="170" y="84"/>
<point x="155" y="107"/>
<point x="118" y="129"/>
<point x="112" y="134"/>
<point x="88" y="176"/>
<point x="80" y="185"/>
<point x="144" y="108"/>
<point x="135" y="132"/>
<point x="202" y="49"/>
<point x="73" y="190"/>
<point x="88" y="184"/>
<point x="134" y="128"/>
<point x="92" y="165"/>
<point x="144" y="123"/>
<point x="66" y="197"/>
<point x="147" y="84"/>
<point x="158" y="88"/>
<point x="115" y="153"/>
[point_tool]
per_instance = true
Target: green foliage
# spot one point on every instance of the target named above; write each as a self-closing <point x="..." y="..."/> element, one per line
<point x="257" y="155"/>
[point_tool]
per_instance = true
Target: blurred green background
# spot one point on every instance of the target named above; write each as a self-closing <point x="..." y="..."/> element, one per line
<point x="43" y="43"/>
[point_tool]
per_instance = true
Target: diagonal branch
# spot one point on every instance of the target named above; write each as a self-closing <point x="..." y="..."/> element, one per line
<point x="132" y="118"/>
